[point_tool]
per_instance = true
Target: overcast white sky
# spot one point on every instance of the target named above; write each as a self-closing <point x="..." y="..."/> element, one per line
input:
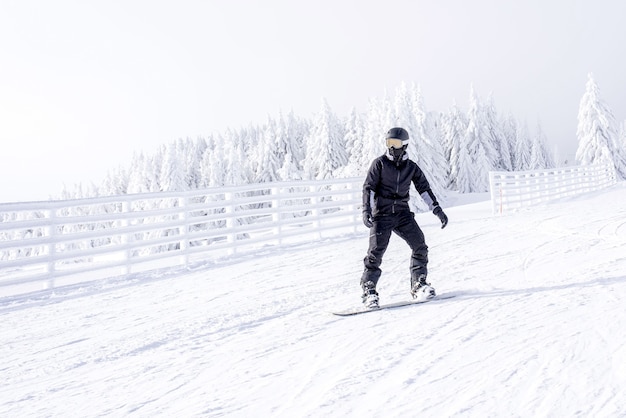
<point x="84" y="84"/>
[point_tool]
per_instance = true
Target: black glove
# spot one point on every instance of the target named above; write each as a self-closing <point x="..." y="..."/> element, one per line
<point x="442" y="216"/>
<point x="367" y="219"/>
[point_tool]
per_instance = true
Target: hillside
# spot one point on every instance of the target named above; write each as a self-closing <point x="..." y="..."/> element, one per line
<point x="536" y="329"/>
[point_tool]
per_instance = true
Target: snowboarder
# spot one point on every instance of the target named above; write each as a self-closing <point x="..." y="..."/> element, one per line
<point x="386" y="210"/>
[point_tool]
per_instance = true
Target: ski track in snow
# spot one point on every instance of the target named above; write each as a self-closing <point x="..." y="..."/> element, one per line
<point x="536" y="329"/>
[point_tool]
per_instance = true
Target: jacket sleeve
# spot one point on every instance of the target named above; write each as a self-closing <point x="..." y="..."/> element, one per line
<point x="423" y="188"/>
<point x="430" y="199"/>
<point x="369" y="186"/>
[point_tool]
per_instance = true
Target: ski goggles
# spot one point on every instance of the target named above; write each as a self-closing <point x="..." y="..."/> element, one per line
<point x="396" y="143"/>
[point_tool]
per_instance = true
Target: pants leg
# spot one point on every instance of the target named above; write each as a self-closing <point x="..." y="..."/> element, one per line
<point x="410" y="232"/>
<point x="379" y="240"/>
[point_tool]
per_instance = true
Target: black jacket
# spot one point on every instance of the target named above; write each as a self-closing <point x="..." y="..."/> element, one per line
<point x="387" y="185"/>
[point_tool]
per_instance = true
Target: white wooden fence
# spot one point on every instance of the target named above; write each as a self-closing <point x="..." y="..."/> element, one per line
<point x="519" y="189"/>
<point x="53" y="243"/>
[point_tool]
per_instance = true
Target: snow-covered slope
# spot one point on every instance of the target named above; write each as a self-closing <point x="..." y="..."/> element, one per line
<point x="536" y="329"/>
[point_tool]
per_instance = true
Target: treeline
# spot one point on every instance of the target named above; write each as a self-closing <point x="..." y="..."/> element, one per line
<point x="455" y="148"/>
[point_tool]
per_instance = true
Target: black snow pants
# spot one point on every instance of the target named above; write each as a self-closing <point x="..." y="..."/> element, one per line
<point x="404" y="225"/>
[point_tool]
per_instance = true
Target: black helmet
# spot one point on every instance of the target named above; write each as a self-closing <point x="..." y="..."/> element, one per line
<point x="398" y="133"/>
<point x="397" y="142"/>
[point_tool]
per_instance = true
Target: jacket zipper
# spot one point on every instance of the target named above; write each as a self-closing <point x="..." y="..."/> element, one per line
<point x="393" y="207"/>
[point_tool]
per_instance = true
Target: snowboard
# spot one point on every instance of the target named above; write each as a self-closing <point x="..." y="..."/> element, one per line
<point x="362" y="310"/>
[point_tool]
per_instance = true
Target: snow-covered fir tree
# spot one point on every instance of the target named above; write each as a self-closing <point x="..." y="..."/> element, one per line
<point x="172" y="174"/>
<point x="501" y="160"/>
<point x="213" y="163"/>
<point x="508" y="127"/>
<point x="142" y="176"/>
<point x="540" y="156"/>
<point x="326" y="148"/>
<point x="236" y="172"/>
<point x="354" y="137"/>
<point x="596" y="132"/>
<point x="425" y="147"/>
<point x="191" y="151"/>
<point x="290" y="140"/>
<point x="297" y="130"/>
<point x="374" y="133"/>
<point x="453" y="127"/>
<point x="465" y="175"/>
<point x="115" y="182"/>
<point x="268" y="154"/>
<point x="477" y="145"/>
<point x="523" y="148"/>
<point x="403" y="114"/>
<point x="250" y="140"/>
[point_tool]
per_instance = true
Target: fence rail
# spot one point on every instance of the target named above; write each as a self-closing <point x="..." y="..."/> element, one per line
<point x="515" y="190"/>
<point x="47" y="244"/>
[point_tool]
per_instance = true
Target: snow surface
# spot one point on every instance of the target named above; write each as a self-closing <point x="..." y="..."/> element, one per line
<point x="537" y="328"/>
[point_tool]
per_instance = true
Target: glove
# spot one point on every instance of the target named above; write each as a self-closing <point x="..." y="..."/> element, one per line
<point x="442" y="216"/>
<point x="367" y="219"/>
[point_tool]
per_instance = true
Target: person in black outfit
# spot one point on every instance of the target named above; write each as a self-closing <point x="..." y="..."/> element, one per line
<point x="386" y="210"/>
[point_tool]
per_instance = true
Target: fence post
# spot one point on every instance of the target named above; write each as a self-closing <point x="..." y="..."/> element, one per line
<point x="183" y="231"/>
<point x="275" y="202"/>
<point x="229" y="210"/>
<point x="352" y="208"/>
<point x="126" y="236"/>
<point x="492" y="191"/>
<point x="315" y="212"/>
<point x="51" y="269"/>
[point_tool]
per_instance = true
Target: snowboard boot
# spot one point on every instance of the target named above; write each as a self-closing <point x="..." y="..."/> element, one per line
<point x="420" y="289"/>
<point x="370" y="295"/>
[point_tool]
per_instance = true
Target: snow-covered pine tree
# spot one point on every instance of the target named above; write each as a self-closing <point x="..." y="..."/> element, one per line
<point x="475" y="143"/>
<point x="523" y="147"/>
<point x="402" y="109"/>
<point x="115" y="183"/>
<point x="388" y="117"/>
<point x="502" y="158"/>
<point x="509" y="125"/>
<point x="289" y="149"/>
<point x="172" y="174"/>
<point x="144" y="174"/>
<point x="137" y="179"/>
<point x="465" y="176"/>
<point x="268" y="154"/>
<point x="596" y="133"/>
<point x="250" y="140"/>
<point x="355" y="146"/>
<point x="373" y="135"/>
<point x="425" y="147"/>
<point x="405" y="113"/>
<point x="235" y="158"/>
<point x="540" y="156"/>
<point x="157" y="162"/>
<point x="191" y="153"/>
<point x="408" y="106"/>
<point x="213" y="162"/>
<point x="453" y="127"/>
<point x="326" y="149"/>
<point x="296" y="130"/>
